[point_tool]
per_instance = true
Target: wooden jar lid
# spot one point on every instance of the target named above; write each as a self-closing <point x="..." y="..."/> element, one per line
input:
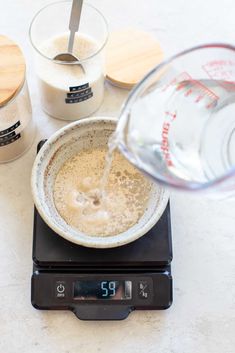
<point x="12" y="69"/>
<point x="131" y="54"/>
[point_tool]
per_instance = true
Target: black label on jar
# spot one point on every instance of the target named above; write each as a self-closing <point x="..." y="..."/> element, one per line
<point x="10" y="129"/>
<point x="79" y="94"/>
<point x="79" y="99"/>
<point x="78" y="88"/>
<point x="7" y="137"/>
<point x="10" y="140"/>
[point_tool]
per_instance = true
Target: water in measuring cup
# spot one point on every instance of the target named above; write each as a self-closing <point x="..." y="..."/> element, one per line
<point x="184" y="131"/>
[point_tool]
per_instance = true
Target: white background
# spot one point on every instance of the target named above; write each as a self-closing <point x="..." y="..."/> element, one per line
<point x="202" y="318"/>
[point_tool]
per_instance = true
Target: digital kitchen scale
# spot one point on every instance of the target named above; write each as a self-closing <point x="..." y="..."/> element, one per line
<point x="102" y="284"/>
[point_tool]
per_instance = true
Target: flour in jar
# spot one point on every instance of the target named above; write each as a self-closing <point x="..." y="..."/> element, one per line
<point x="78" y="200"/>
<point x="67" y="91"/>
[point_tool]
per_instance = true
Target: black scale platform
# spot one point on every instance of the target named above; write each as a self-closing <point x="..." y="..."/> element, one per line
<point x="151" y="250"/>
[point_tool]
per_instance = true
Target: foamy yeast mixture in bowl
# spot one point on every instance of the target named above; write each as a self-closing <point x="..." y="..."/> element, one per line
<point x="66" y="188"/>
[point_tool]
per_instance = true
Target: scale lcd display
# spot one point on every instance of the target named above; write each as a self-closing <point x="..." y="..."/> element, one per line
<point x="103" y="290"/>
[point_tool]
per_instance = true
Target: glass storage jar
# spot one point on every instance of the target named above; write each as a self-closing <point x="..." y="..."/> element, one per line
<point x="17" y="128"/>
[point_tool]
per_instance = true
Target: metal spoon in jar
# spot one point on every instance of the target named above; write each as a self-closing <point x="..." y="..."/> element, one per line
<point x="73" y="27"/>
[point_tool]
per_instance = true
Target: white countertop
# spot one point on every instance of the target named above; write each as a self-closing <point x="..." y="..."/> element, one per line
<point x="202" y="317"/>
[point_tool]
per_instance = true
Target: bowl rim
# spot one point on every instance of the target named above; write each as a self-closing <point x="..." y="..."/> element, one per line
<point x="92" y="241"/>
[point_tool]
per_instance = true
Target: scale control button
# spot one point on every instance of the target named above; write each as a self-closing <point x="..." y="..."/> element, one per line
<point x="60" y="289"/>
<point x="143" y="290"/>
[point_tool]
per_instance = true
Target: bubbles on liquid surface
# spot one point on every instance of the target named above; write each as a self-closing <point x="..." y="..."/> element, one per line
<point x="82" y="204"/>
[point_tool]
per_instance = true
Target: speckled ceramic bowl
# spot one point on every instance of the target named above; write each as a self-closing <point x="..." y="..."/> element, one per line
<point x="90" y="132"/>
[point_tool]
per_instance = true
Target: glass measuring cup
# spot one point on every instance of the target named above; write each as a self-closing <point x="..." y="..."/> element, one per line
<point x="178" y="124"/>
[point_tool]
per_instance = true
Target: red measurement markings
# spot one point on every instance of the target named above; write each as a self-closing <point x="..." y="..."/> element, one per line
<point x="180" y="79"/>
<point x="204" y="91"/>
<point x="223" y="71"/>
<point x="189" y="85"/>
<point x="172" y="116"/>
<point x="165" y="138"/>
